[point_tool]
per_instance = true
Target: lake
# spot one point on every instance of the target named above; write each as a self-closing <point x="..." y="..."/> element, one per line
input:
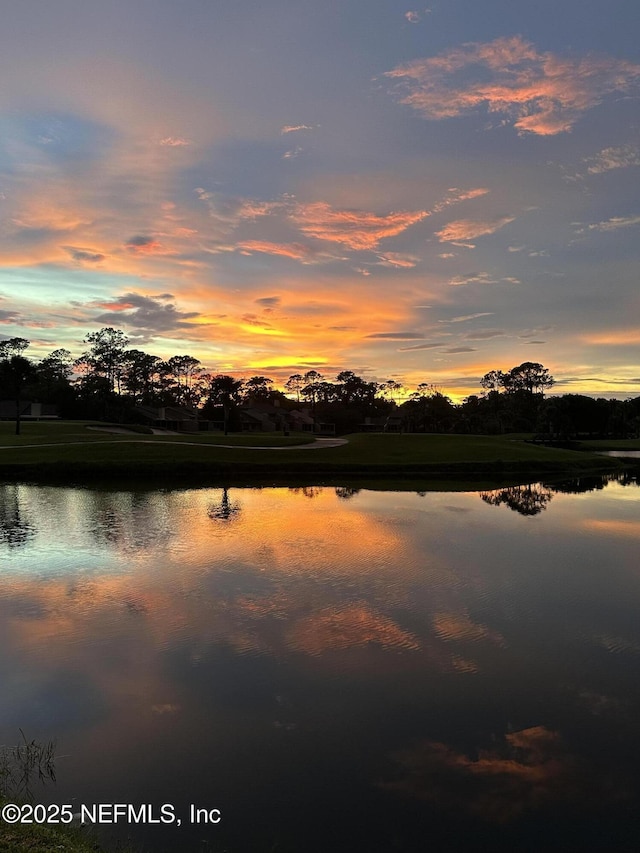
<point x="332" y="669"/>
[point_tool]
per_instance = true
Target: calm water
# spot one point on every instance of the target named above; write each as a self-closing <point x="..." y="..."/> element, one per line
<point x="334" y="670"/>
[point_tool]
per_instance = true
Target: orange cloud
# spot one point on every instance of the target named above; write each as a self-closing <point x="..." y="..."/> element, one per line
<point x="355" y="229"/>
<point x="540" y="93"/>
<point x="455" y="195"/>
<point x="297" y="251"/>
<point x="619" y="337"/>
<point x="614" y="528"/>
<point x="524" y="771"/>
<point x="343" y="628"/>
<point x="397" y="259"/>
<point x="469" y="229"/>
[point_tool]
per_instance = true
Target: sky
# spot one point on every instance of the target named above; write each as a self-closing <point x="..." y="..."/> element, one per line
<point x="410" y="192"/>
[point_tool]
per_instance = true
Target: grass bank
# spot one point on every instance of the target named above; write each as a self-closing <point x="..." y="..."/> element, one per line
<point x="70" y="452"/>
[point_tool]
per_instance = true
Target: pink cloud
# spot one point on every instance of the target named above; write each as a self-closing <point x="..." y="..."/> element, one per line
<point x="120" y="305"/>
<point x="293" y="128"/>
<point x="540" y="93"/>
<point x="141" y="244"/>
<point x="174" y="141"/>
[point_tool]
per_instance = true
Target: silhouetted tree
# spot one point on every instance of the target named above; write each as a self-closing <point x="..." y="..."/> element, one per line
<point x="141" y="375"/>
<point x="16" y="371"/>
<point x="391" y="389"/>
<point x="106" y="356"/>
<point x="294" y="384"/>
<point x="310" y="389"/>
<point x="183" y="372"/>
<point x="224" y="391"/>
<point x="258" y="388"/>
<point x="530" y="376"/>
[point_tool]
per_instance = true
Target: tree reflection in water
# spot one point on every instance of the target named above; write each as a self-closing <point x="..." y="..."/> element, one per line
<point x="126" y="520"/>
<point x="16" y="527"/>
<point x="346" y="492"/>
<point x="532" y="498"/>
<point x="225" y="509"/>
<point x="307" y="491"/>
<point x="527" y="500"/>
<point x="588" y="483"/>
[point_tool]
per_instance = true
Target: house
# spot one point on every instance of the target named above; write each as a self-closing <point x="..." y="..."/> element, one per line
<point x="372" y="424"/>
<point x="263" y="417"/>
<point x="393" y="423"/>
<point x="271" y="417"/>
<point x="382" y="423"/>
<point x="174" y="418"/>
<point x="301" y="420"/>
<point x="29" y="411"/>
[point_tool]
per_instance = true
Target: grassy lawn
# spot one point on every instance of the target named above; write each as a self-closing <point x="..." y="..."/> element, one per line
<point x="379" y="448"/>
<point x="100" y="455"/>
<point x="36" y="432"/>
<point x="612" y="444"/>
<point x="260" y="439"/>
<point x="47" y="432"/>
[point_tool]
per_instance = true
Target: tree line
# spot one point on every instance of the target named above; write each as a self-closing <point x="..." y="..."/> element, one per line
<point x="110" y="379"/>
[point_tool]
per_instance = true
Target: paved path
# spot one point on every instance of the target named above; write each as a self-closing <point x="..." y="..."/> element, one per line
<point x="318" y="444"/>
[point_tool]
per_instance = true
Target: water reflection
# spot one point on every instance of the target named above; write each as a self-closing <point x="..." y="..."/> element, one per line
<point x="527" y="500"/>
<point x="521" y="772"/>
<point x="404" y="662"/>
<point x="128" y="521"/>
<point x="345" y="492"/>
<point x="307" y="491"/>
<point x="225" y="509"/>
<point x="16" y="523"/>
<point x="533" y="498"/>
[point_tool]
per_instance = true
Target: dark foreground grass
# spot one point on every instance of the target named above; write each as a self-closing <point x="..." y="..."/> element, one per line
<point x="381" y="456"/>
<point x="45" y="838"/>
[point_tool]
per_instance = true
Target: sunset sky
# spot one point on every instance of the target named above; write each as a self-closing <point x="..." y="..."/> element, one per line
<point x="423" y="193"/>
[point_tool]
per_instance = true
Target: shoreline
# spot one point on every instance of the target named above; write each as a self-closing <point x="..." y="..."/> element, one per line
<point x="173" y="474"/>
